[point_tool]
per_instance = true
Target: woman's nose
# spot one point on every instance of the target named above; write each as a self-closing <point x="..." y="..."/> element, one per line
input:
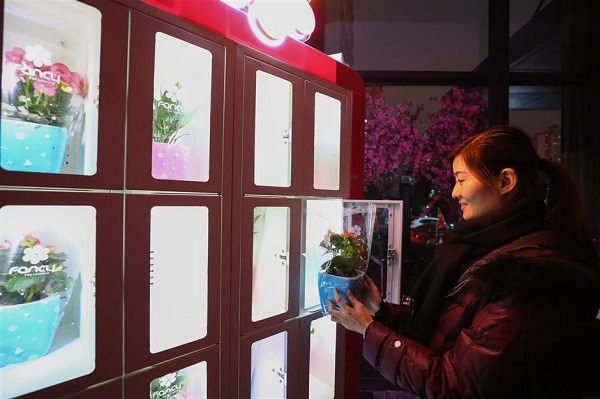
<point x="455" y="193"/>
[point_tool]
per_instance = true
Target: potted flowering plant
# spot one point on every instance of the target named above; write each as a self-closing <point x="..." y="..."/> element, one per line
<point x="169" y="158"/>
<point x="42" y="108"/>
<point x="345" y="269"/>
<point x="34" y="289"/>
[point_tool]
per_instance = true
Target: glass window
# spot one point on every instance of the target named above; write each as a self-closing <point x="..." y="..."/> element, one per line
<point x="537" y="110"/>
<point x="429" y="35"/>
<point x="537" y="35"/>
<point x="50" y="87"/>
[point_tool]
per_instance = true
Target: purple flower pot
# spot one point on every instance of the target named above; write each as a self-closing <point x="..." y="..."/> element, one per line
<point x="169" y="161"/>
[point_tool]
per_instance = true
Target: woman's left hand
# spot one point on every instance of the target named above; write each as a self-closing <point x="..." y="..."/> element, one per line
<point x="355" y="318"/>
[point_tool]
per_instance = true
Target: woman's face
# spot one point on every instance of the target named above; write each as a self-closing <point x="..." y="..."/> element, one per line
<point x="476" y="199"/>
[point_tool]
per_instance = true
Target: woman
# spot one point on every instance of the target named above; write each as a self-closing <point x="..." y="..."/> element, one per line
<point x="506" y="308"/>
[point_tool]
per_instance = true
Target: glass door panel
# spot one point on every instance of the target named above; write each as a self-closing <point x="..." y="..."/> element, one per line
<point x="322" y="358"/>
<point x="268" y="368"/>
<point x="321" y="215"/>
<point x="181" y="110"/>
<point x="178" y="275"/>
<point x="327" y="140"/>
<point x="273" y="131"/>
<point x="270" y="265"/>
<point x="50" y="87"/>
<point x="48" y="304"/>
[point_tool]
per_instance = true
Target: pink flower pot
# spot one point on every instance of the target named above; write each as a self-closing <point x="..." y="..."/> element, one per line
<point x="169" y="161"/>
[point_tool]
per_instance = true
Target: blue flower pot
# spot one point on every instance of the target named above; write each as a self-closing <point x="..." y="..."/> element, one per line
<point x="28" y="329"/>
<point x="327" y="282"/>
<point x="31" y="147"/>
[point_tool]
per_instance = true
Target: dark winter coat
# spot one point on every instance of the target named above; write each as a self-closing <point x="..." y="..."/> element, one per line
<point x="518" y="324"/>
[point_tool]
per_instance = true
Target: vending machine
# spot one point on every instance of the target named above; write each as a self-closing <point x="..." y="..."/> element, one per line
<point x="166" y="174"/>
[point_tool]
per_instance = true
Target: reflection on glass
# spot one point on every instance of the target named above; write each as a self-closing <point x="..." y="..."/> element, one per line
<point x="322" y="358"/>
<point x="178" y="275"/>
<point x="321" y="215"/>
<point x="190" y="382"/>
<point x="181" y="117"/>
<point x="47" y="302"/>
<point x="50" y="86"/>
<point x="270" y="267"/>
<point x="268" y="369"/>
<point x="273" y="131"/>
<point x="328" y="119"/>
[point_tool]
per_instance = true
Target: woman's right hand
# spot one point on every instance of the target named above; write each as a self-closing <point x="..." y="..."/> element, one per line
<point x="371" y="296"/>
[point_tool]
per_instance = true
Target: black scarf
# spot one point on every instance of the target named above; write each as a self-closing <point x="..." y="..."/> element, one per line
<point x="472" y="240"/>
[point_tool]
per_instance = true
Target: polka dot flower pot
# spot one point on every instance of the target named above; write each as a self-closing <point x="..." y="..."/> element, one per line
<point x="28" y="329"/>
<point x="32" y="147"/>
<point x="169" y="161"/>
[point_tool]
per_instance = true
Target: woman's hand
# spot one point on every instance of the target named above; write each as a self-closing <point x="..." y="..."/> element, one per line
<point x="371" y="296"/>
<point x="355" y="318"/>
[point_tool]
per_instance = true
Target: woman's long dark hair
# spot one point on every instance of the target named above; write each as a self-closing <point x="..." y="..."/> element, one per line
<point x="496" y="148"/>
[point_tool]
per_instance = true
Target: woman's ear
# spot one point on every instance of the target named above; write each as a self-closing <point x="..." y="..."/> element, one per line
<point x="508" y="180"/>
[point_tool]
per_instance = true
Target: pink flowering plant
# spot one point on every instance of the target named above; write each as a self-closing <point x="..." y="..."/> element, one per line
<point x="392" y="136"/>
<point x="461" y="114"/>
<point x="31" y="271"/>
<point x="397" y="143"/>
<point x="42" y="91"/>
<point x="348" y="250"/>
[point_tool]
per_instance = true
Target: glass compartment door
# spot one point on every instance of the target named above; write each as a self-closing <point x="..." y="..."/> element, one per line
<point x="273" y="131"/>
<point x="272" y="152"/>
<point x="50" y="87"/>
<point x="178" y="276"/>
<point x="270" y="266"/>
<point x="48" y="304"/>
<point x="181" y="110"/>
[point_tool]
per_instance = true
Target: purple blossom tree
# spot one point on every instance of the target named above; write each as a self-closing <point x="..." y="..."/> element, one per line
<point x="395" y="146"/>
<point x="392" y="136"/>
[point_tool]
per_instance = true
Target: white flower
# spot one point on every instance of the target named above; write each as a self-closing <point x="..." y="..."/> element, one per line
<point x="38" y="55"/>
<point x="35" y="254"/>
<point x="168" y="379"/>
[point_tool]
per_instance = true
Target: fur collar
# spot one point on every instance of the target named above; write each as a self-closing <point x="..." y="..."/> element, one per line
<point x="532" y="269"/>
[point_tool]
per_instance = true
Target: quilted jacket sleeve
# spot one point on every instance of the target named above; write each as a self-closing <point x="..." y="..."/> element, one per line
<point x="493" y="357"/>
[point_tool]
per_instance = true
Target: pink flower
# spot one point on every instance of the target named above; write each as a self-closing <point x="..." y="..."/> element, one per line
<point x="15" y="56"/>
<point x="29" y="241"/>
<point x="45" y="87"/>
